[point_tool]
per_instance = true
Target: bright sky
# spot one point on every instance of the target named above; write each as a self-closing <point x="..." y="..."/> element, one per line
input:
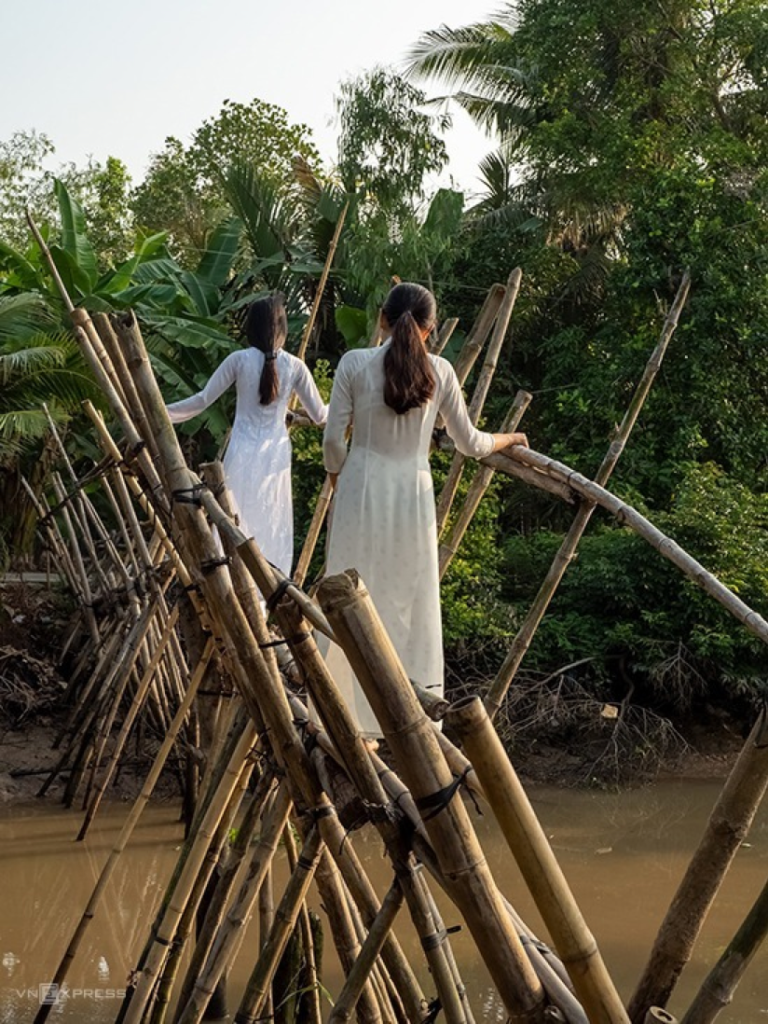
<point x="104" y="78"/>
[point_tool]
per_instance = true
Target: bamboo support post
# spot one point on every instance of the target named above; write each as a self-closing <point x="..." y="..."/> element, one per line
<point x="479" y="332"/>
<point x="126" y="831"/>
<point x="161" y="996"/>
<point x="411" y="738"/>
<point x="96" y="356"/>
<point x="321" y="284"/>
<point x="656" y="1015"/>
<point x="311" y="990"/>
<point x="525" y="837"/>
<point x="503" y="316"/>
<point x="444" y="335"/>
<point x="728" y="825"/>
<point x="131" y="396"/>
<point x="286" y="916"/>
<point x="344" y="1006"/>
<point x="130" y="717"/>
<point x="564" y="556"/>
<point x="228" y="937"/>
<point x="718" y="987"/>
<point x="166" y="931"/>
<point x="480" y="483"/>
<point x="313" y="533"/>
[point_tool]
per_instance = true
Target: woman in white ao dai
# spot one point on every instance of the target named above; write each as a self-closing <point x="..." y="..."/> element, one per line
<point x="383" y="521"/>
<point x="257" y="462"/>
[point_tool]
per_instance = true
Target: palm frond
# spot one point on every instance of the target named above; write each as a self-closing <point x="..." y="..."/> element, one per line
<point x="22" y="314"/>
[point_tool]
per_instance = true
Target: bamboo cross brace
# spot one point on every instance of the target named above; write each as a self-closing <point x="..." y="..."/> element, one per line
<point x="127" y="830"/>
<point x="522" y="641"/>
<point x="453" y="479"/>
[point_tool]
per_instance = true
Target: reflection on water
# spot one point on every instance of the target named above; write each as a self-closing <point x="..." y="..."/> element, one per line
<point x="623" y="855"/>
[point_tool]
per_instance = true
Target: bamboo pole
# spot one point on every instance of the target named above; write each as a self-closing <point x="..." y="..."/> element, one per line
<point x="122" y="738"/>
<point x="286" y="916"/>
<point x="564" y="556"/>
<point x="410" y="736"/>
<point x="727" y="828"/>
<point x="321" y="285"/>
<point x="344" y="1006"/>
<point x="628" y="516"/>
<point x="480" y="483"/>
<point x="131" y="396"/>
<point x="228" y="937"/>
<point x="453" y="478"/>
<point x="96" y="356"/>
<point x="479" y="332"/>
<point x="166" y="931"/>
<point x="311" y="989"/>
<point x="526" y="839"/>
<point x="656" y="1015"/>
<point x="127" y="830"/>
<point x="718" y="987"/>
<point x="444" y="335"/>
<point x="313" y="533"/>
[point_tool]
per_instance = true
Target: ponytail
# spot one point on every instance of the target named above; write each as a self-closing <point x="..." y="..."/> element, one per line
<point x="269" y="382"/>
<point x="408" y="378"/>
<point x="266" y="328"/>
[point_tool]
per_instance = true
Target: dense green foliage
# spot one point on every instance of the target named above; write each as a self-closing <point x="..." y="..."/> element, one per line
<point x="631" y="143"/>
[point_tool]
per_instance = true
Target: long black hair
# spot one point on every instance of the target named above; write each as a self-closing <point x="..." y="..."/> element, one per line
<point x="408" y="378"/>
<point x="266" y="328"/>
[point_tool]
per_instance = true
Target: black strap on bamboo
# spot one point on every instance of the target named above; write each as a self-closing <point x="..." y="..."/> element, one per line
<point x="189" y="495"/>
<point x="295" y="639"/>
<point x="437" y="802"/>
<point x="315" y="814"/>
<point x="277" y="593"/>
<point x="213" y="563"/>
<point x="435" y="939"/>
<point x="433" y="1010"/>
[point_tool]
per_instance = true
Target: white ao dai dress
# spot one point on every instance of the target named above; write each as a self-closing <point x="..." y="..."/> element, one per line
<point x="257" y="462"/>
<point x="384" y="522"/>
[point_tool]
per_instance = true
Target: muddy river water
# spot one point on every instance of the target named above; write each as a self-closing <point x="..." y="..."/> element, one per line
<point x="623" y="855"/>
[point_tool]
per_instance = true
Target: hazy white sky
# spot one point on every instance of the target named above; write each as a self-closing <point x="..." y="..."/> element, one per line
<point x="102" y="78"/>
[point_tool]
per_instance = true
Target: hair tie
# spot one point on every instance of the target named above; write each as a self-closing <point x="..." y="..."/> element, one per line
<point x="270" y="355"/>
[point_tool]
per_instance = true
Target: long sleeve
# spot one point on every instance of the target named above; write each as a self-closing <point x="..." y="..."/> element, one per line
<point x="453" y="409"/>
<point x="305" y="387"/>
<point x="222" y="378"/>
<point x="340" y="412"/>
